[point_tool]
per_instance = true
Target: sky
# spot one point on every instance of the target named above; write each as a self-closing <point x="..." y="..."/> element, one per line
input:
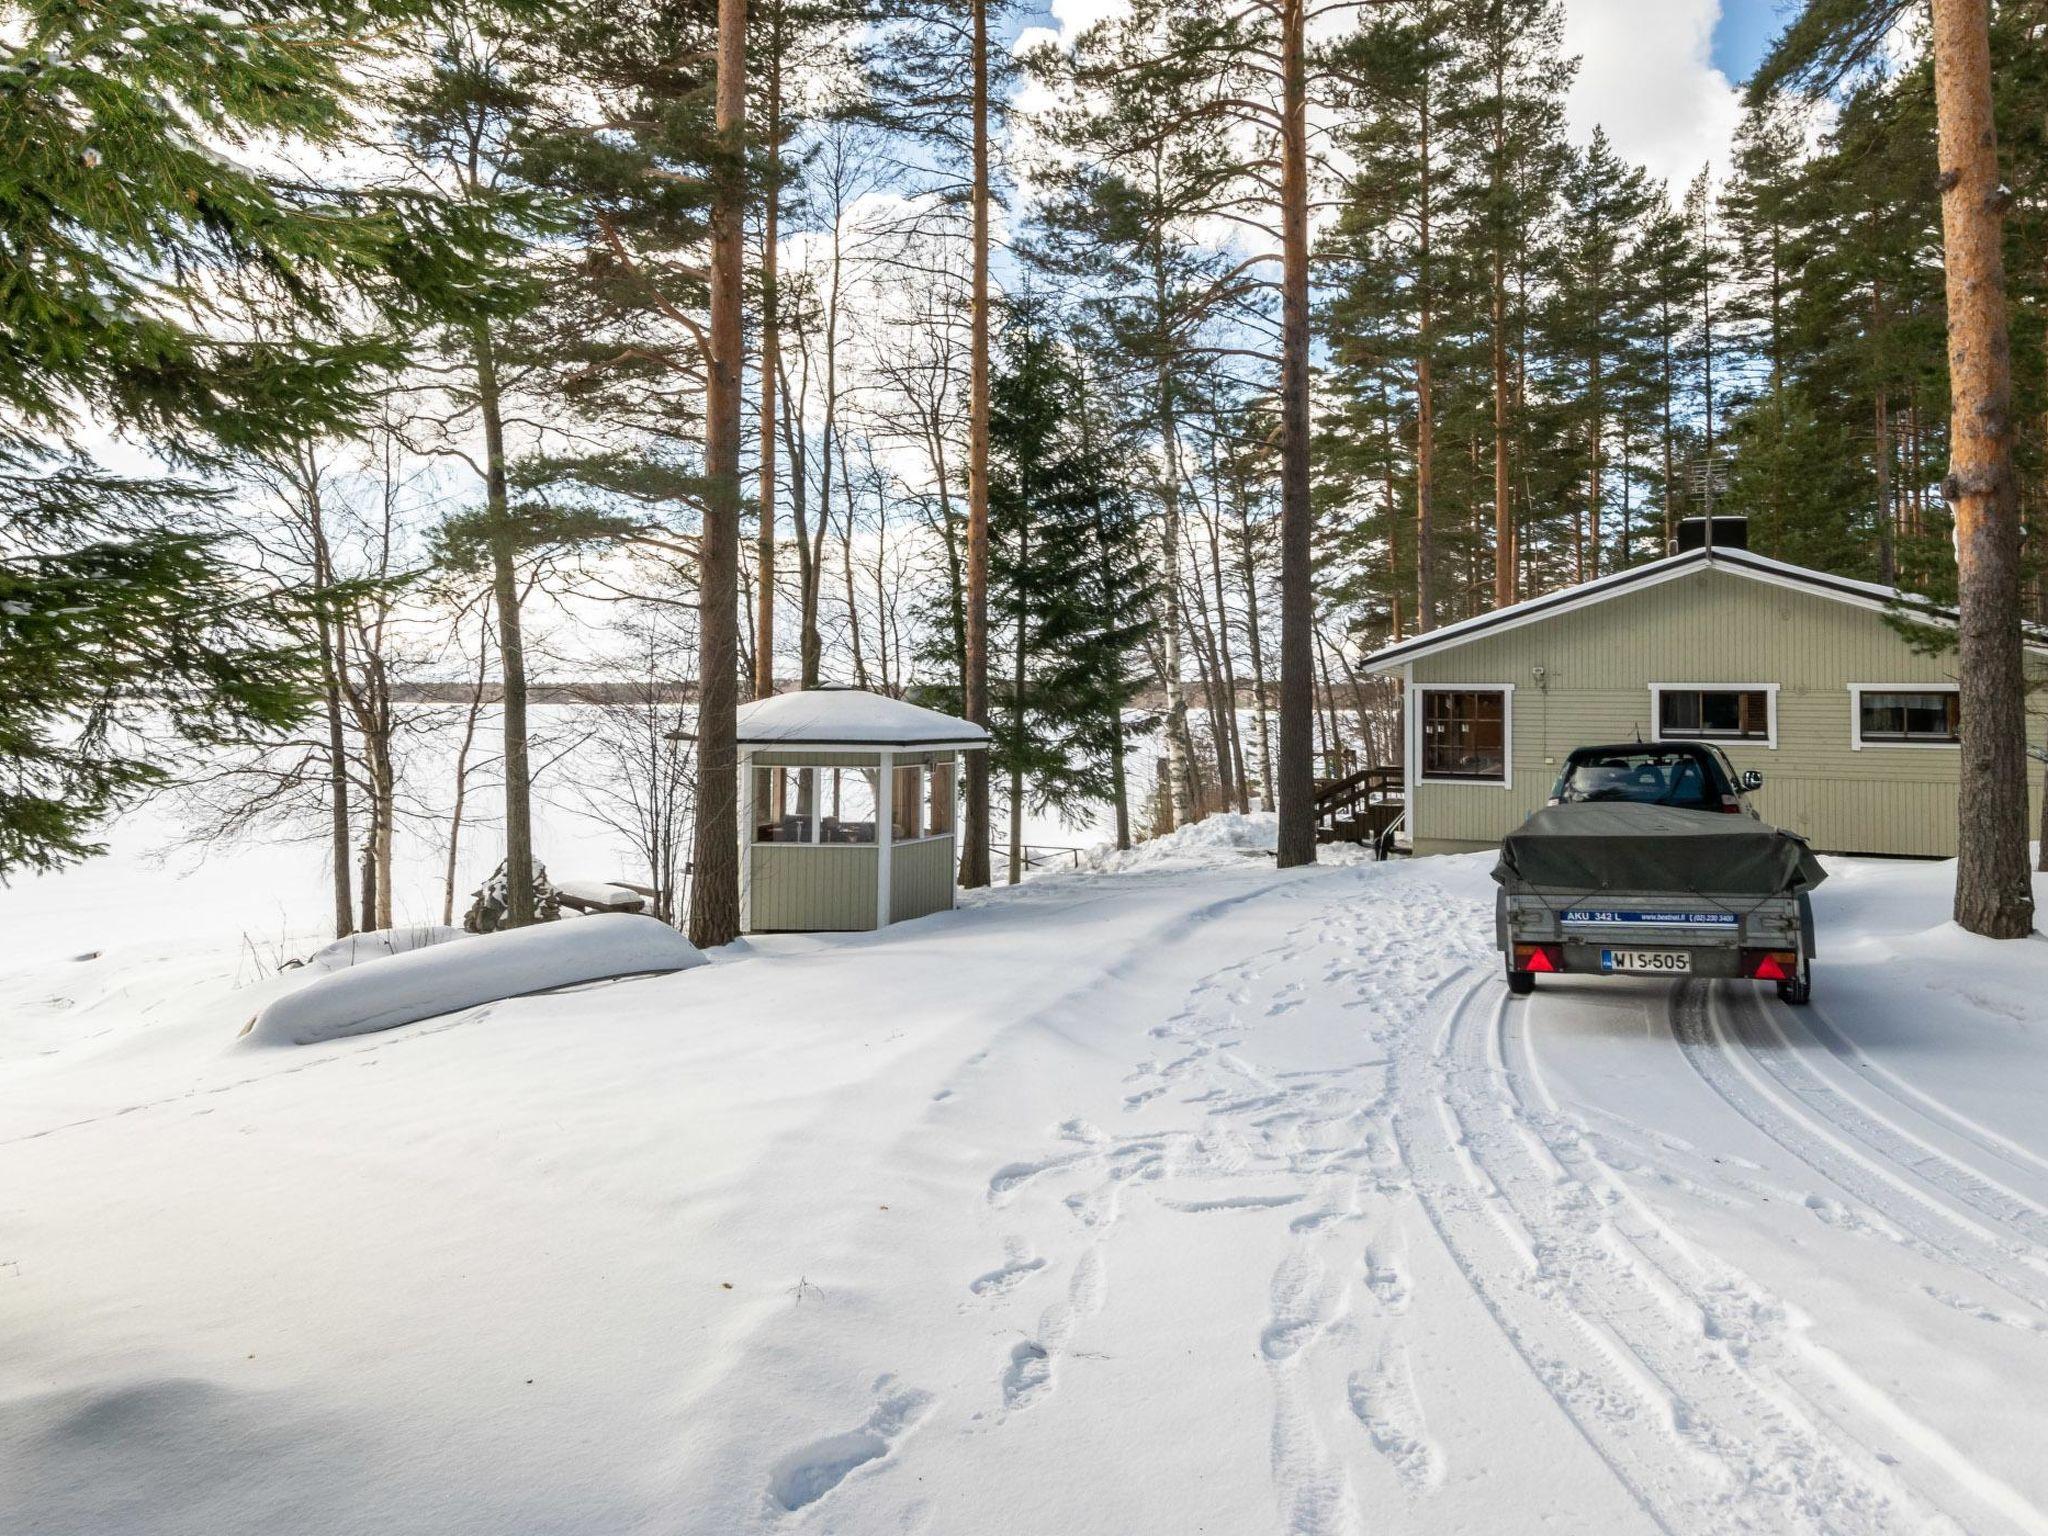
<point x="1663" y="77"/>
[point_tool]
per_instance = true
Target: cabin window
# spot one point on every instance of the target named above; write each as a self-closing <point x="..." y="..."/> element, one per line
<point x="1922" y="717"/>
<point x="1464" y="734"/>
<point x="1734" y="713"/>
<point x="940" y="821"/>
<point x="906" y="804"/>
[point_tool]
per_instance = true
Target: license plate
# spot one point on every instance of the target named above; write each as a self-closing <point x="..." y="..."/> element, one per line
<point x="1655" y="962"/>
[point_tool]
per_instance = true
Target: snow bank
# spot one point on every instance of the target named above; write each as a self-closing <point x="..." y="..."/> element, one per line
<point x="378" y="944"/>
<point x="444" y="978"/>
<point x="1226" y="837"/>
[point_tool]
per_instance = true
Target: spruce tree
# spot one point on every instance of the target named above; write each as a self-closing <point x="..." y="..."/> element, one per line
<point x="165" y="279"/>
<point x="1068" y="592"/>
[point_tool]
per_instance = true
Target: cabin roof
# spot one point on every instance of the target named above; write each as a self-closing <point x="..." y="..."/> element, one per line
<point x="1739" y="562"/>
<point x="835" y="716"/>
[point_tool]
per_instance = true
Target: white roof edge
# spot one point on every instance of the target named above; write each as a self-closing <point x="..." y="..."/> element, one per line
<point x="827" y="718"/>
<point x="1842" y="589"/>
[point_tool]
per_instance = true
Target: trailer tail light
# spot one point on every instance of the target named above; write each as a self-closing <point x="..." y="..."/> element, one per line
<point x="1770" y="964"/>
<point x="1546" y="958"/>
<point x="1731" y="806"/>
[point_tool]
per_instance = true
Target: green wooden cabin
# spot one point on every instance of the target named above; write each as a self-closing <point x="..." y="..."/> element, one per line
<point x="847" y="810"/>
<point x="1795" y="673"/>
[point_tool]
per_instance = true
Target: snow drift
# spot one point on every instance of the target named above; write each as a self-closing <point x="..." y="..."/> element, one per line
<point x="378" y="944"/>
<point x="444" y="978"/>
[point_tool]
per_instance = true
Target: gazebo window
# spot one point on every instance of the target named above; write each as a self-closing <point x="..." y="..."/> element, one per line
<point x="848" y="809"/>
<point x="783" y="802"/>
<point x="939" y="823"/>
<point x="906" y="804"/>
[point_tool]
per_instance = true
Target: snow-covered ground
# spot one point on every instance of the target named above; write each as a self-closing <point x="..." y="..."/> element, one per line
<point x="1176" y="1195"/>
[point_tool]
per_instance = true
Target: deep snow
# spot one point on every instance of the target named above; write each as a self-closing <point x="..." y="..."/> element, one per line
<point x="1179" y="1194"/>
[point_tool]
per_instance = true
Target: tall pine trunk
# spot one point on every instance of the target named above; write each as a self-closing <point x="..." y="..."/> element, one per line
<point x="1503" y="507"/>
<point x="1297" y="840"/>
<point x="1993" y="894"/>
<point x="1017" y="726"/>
<point x="771" y="353"/>
<point x="715" y="873"/>
<point x="1224" y="658"/>
<point x="1179" y="750"/>
<point x="333" y="657"/>
<point x="511" y="640"/>
<point x="476" y="702"/>
<point x="974" y="820"/>
<point x="1249" y="573"/>
<point x="1425" y="401"/>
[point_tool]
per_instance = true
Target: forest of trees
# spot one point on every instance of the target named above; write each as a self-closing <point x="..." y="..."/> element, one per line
<point x="1109" y="388"/>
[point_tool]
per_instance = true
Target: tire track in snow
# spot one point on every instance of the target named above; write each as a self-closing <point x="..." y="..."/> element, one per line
<point x="1930" y="1216"/>
<point x="2019" y="1160"/>
<point x="1887" y="1130"/>
<point x="1815" y="1388"/>
<point x="1654" y="1364"/>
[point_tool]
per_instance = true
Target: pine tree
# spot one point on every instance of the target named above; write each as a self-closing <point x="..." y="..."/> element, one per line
<point x="1598" y="325"/>
<point x="1409" y="80"/>
<point x="934" y="74"/>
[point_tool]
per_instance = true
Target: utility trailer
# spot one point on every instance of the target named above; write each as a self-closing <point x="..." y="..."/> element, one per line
<point x="1621" y="888"/>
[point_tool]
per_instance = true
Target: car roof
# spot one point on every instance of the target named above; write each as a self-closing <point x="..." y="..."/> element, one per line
<point x="1647" y="746"/>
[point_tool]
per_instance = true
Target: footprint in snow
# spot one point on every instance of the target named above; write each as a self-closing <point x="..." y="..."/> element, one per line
<point x="1005" y="1277"/>
<point x="1029" y="1373"/>
<point x="805" y="1476"/>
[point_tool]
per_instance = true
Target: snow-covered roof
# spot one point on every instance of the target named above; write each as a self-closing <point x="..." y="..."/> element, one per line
<point x="851" y="717"/>
<point x="1742" y="562"/>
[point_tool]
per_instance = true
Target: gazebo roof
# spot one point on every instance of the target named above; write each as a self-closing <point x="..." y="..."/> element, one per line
<point x="851" y="717"/>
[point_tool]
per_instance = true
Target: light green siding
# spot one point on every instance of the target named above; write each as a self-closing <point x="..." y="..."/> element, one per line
<point x="779" y="757"/>
<point x="1710" y="626"/>
<point x="920" y="878"/>
<point x="805" y="888"/>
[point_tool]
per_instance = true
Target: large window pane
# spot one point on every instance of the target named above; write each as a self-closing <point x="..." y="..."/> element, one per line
<point x="1726" y="713"/>
<point x="906" y="804"/>
<point x="783" y="798"/>
<point x="1930" y="716"/>
<point x="940" y="820"/>
<point x="1464" y="734"/>
<point x="848" y="808"/>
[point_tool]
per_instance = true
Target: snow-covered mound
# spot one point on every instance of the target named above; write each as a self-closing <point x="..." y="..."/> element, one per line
<point x="378" y="944"/>
<point x="1226" y="836"/>
<point x="444" y="978"/>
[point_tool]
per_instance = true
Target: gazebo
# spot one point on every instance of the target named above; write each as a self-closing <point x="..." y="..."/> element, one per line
<point x="846" y="810"/>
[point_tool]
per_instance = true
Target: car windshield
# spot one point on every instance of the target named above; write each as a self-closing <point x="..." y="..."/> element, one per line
<point x="1647" y="775"/>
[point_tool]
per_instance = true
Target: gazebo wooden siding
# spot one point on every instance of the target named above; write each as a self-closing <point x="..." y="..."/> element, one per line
<point x="921" y="878"/>
<point x="798" y="889"/>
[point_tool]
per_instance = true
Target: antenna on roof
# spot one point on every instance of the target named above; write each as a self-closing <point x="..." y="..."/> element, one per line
<point x="1639" y="734"/>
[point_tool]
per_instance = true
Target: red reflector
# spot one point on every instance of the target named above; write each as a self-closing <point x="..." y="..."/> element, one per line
<point x="1773" y="964"/>
<point x="1547" y="958"/>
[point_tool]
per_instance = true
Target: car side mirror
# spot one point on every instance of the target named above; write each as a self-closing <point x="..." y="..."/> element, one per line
<point x="1751" y="779"/>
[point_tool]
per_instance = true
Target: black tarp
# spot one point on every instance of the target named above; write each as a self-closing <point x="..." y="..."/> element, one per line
<point x="1618" y="846"/>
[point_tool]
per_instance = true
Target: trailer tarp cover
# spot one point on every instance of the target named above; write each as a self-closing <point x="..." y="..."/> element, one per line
<point x="1618" y="846"/>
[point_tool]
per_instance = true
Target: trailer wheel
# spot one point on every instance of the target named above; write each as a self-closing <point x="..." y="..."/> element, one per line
<point x="1799" y="990"/>
<point x="1521" y="983"/>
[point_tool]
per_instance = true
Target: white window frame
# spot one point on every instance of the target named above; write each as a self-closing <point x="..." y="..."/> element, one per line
<point x="1856" y="741"/>
<point x="1507" y="733"/>
<point x="1769" y="690"/>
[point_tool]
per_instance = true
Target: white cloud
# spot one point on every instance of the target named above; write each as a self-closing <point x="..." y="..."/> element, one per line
<point x="1647" y="76"/>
